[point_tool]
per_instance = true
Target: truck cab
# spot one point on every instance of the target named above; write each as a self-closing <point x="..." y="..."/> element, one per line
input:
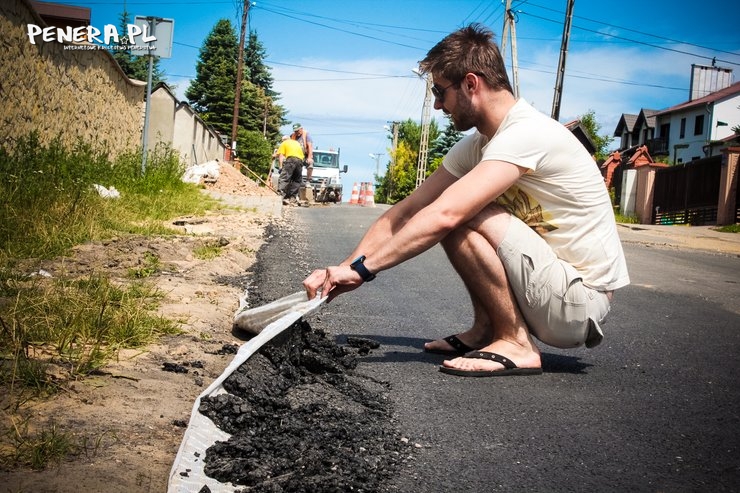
<point x="325" y="182"/>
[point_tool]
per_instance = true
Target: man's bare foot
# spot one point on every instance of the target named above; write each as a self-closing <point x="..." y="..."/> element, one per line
<point x="456" y="344"/>
<point x="523" y="356"/>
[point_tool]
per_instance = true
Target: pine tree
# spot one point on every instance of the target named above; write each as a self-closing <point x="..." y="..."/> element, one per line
<point x="445" y="141"/>
<point x="272" y="115"/>
<point x="135" y="67"/>
<point x="259" y="73"/>
<point x="211" y="93"/>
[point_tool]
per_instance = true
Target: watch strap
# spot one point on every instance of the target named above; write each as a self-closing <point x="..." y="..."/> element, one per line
<point x="358" y="266"/>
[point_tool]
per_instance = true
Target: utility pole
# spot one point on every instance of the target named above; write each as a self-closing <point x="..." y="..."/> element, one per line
<point x="239" y="70"/>
<point x="394" y="148"/>
<point x="145" y="134"/>
<point x="426" y="117"/>
<point x="510" y="31"/>
<point x="561" y="64"/>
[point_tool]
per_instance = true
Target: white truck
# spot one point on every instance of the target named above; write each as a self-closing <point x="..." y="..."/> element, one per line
<point x="326" y="183"/>
<point x="325" y="179"/>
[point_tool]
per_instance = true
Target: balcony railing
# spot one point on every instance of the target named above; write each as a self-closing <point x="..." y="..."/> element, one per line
<point x="657" y="147"/>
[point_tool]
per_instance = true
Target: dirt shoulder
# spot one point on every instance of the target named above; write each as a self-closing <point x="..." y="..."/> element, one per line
<point x="130" y="418"/>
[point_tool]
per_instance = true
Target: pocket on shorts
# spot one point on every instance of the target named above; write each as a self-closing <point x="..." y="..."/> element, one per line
<point x="569" y="292"/>
<point x="572" y="291"/>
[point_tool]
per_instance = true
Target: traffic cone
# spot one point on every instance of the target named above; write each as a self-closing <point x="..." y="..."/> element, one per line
<point x="369" y="196"/>
<point x="355" y="198"/>
<point x="363" y="187"/>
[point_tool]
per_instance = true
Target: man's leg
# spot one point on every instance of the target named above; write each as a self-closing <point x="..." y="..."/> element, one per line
<point x="498" y="325"/>
<point x="296" y="178"/>
<point x="283" y="180"/>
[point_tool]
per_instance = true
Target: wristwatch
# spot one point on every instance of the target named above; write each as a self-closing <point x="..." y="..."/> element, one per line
<point x="358" y="266"/>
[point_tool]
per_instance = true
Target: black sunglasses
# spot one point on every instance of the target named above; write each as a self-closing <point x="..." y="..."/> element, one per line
<point x="439" y="93"/>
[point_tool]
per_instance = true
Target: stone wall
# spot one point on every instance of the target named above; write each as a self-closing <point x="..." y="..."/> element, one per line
<point x="65" y="93"/>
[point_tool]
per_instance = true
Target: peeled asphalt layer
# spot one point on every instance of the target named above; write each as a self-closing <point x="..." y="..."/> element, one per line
<point x="653" y="408"/>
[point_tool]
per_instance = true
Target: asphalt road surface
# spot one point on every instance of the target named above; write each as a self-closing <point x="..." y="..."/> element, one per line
<point x="654" y="408"/>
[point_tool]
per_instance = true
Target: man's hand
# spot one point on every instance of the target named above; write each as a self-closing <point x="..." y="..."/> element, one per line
<point x="309" y="161"/>
<point x="331" y="281"/>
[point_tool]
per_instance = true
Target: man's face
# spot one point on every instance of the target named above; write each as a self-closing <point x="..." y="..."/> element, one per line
<point x="453" y="101"/>
<point x="299" y="131"/>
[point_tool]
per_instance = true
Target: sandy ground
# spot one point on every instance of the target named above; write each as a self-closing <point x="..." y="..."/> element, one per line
<point x="130" y="419"/>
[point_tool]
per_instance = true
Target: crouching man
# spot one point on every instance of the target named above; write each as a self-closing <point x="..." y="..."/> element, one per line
<point x="521" y="211"/>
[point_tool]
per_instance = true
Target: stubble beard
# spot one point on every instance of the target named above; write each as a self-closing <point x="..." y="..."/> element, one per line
<point x="464" y="118"/>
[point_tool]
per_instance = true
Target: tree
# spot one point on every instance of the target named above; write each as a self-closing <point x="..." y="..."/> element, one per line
<point x="271" y="114"/>
<point x="400" y="178"/>
<point x="442" y="146"/>
<point x="601" y="142"/>
<point x="135" y="67"/>
<point x="446" y="140"/>
<point x="211" y="93"/>
<point x="259" y="73"/>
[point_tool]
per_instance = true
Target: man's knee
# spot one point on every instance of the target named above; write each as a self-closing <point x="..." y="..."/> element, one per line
<point x="491" y="223"/>
<point x="493" y="216"/>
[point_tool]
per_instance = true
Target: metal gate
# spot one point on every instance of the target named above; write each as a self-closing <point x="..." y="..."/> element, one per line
<point x="687" y="193"/>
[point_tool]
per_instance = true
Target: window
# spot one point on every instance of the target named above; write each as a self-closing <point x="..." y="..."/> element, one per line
<point x="683" y="129"/>
<point x="699" y="125"/>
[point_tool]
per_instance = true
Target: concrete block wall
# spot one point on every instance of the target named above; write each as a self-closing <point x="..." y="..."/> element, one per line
<point x="176" y="124"/>
<point x="64" y="93"/>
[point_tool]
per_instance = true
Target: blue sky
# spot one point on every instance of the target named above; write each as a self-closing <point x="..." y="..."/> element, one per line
<point x="344" y="68"/>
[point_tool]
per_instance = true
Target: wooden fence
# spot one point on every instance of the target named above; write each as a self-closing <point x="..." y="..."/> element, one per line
<point x="687" y="193"/>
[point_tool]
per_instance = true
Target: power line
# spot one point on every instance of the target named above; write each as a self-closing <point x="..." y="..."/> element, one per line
<point x="638" y="32"/>
<point x="346" y="31"/>
<point x="644" y="43"/>
<point x="321" y="69"/>
<point x="483" y="2"/>
<point x="352" y="22"/>
<point x="585" y="76"/>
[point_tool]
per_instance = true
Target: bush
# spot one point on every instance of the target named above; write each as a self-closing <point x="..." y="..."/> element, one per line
<point x="254" y="151"/>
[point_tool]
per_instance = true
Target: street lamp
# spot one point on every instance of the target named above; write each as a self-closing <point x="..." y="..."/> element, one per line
<point x="376" y="156"/>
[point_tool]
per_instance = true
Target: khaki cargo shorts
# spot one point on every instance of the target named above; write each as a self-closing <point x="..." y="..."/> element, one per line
<point x="559" y="310"/>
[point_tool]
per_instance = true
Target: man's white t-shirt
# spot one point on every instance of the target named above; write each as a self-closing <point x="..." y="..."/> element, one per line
<point x="562" y="195"/>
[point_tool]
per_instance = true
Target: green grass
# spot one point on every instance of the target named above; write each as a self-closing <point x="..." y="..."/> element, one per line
<point x="732" y="228"/>
<point x="48" y="203"/>
<point x="151" y="266"/>
<point x="207" y="252"/>
<point x="36" y="449"/>
<point x="79" y="324"/>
